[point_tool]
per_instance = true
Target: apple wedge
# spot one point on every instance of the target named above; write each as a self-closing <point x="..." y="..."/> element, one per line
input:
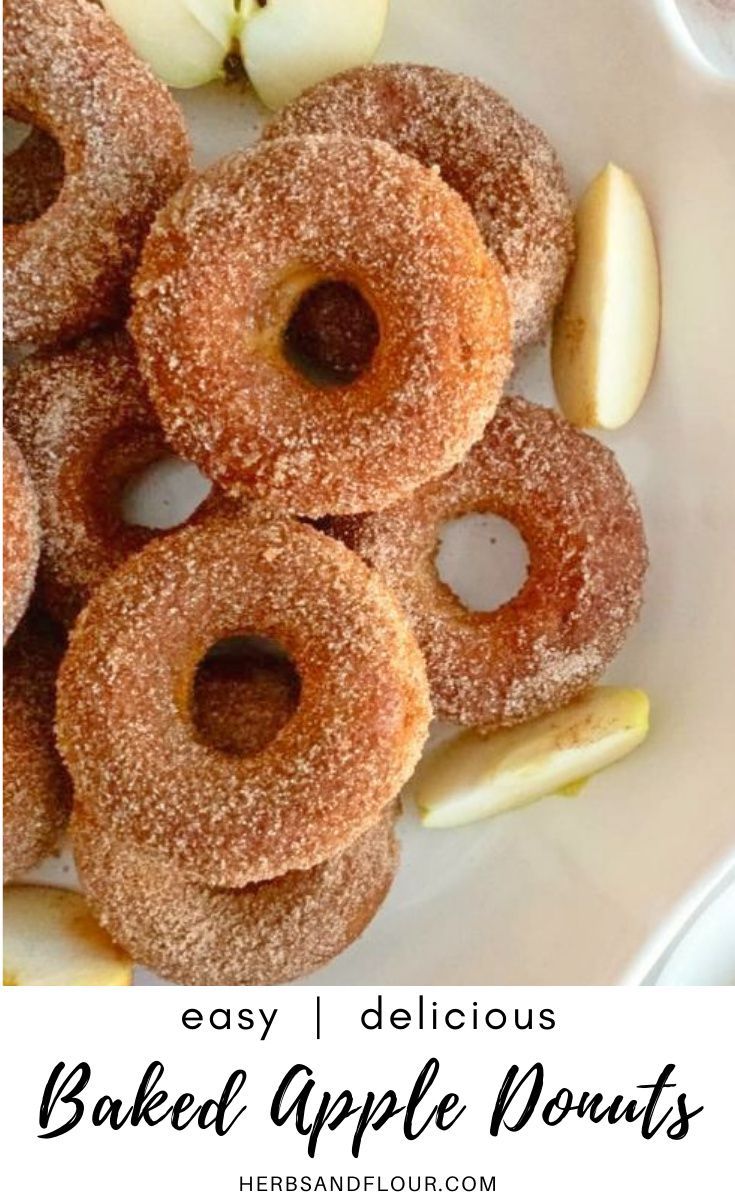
<point x="479" y="775"/>
<point x="51" y="938"/>
<point x="184" y="41"/>
<point x="607" y="326"/>
<point x="288" y="45"/>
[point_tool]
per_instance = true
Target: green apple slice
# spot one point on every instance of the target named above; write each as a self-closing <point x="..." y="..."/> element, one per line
<point x="184" y="41"/>
<point x="607" y="327"/>
<point x="51" y="938"/>
<point x="479" y="775"/>
<point x="288" y="45"/>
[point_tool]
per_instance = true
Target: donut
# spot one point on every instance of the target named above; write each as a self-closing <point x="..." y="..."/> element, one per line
<point x="32" y="178"/>
<point x="502" y="165"/>
<point x="36" y="788"/>
<point x="21" y="535"/>
<point x="568" y="498"/>
<point x="225" y="268"/>
<point x="124" y="710"/>
<point x="240" y="701"/>
<point x="261" y="934"/>
<point x="82" y="417"/>
<point x="69" y="72"/>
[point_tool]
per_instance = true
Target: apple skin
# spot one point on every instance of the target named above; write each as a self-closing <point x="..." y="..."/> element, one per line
<point x="606" y="329"/>
<point x="479" y="775"/>
<point x="184" y="41"/>
<point x="51" y="938"/>
<point x="288" y="45"/>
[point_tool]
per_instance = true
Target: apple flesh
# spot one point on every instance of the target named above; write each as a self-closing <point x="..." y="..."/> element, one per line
<point x="51" y="938"/>
<point x="288" y="45"/>
<point x="479" y="775"/>
<point x="607" y="326"/>
<point x="184" y="41"/>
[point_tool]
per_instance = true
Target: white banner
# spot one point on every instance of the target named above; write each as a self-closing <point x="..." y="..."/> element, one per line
<point x="509" y="1092"/>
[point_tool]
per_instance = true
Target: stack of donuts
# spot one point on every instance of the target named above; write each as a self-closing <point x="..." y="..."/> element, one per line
<point x="324" y="324"/>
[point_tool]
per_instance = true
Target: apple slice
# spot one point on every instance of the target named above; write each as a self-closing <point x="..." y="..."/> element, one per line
<point x="184" y="41"/>
<point x="607" y="325"/>
<point x="479" y="775"/>
<point x="50" y="937"/>
<point x="288" y="45"/>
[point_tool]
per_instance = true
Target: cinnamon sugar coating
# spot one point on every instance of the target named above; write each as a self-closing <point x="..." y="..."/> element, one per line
<point x="567" y="496"/>
<point x="124" y="715"/>
<point x="21" y="535"/>
<point x="69" y="70"/>
<point x="224" y="268"/>
<point x="266" y="933"/>
<point x="501" y="164"/>
<point x="36" y="788"/>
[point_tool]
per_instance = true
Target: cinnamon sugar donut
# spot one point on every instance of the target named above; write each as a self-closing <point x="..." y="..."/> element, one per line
<point x="261" y="934"/>
<point x="82" y="417"/>
<point x="503" y="166"/>
<point x="36" y="788"/>
<point x="21" y="536"/>
<point x="567" y="496"/>
<point x="69" y="71"/>
<point x="124" y="714"/>
<point x="226" y="265"/>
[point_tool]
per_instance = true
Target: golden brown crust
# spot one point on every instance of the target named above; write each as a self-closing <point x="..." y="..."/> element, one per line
<point x="226" y="263"/>
<point x="21" y="535"/>
<point x="266" y="933"/>
<point x="502" y="165"/>
<point x="36" y="788"/>
<point x="570" y="501"/>
<point x="124" y="721"/>
<point x="69" y="70"/>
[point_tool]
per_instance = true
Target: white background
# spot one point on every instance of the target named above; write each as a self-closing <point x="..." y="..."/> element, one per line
<point x="605" y="1039"/>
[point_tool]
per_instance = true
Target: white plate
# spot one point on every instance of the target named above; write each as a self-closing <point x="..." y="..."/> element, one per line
<point x="592" y="890"/>
<point x="704" y="951"/>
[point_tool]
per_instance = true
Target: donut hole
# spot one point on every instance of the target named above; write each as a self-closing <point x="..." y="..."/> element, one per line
<point x="15" y="133"/>
<point x="33" y="171"/>
<point x="163" y="494"/>
<point x="245" y="690"/>
<point x="332" y="334"/>
<point x="482" y="559"/>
